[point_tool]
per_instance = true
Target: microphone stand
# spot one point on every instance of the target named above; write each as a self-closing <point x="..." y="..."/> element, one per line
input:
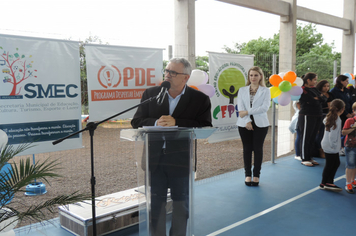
<point x="91" y="126"/>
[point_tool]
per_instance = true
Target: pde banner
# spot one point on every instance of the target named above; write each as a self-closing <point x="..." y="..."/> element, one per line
<point x="40" y="97"/>
<point x="227" y="73"/>
<point x="118" y="76"/>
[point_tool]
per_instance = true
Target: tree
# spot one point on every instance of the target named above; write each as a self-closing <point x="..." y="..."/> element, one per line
<point x="312" y="54"/>
<point x="320" y="60"/>
<point x="83" y="67"/>
<point x="254" y="46"/>
<point x="263" y="49"/>
<point x="202" y="63"/>
<point x="18" y="69"/>
<point x="307" y="38"/>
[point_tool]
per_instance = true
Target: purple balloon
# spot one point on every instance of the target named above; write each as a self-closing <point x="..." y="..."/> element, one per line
<point x="295" y="91"/>
<point x="284" y="99"/>
<point x="207" y="89"/>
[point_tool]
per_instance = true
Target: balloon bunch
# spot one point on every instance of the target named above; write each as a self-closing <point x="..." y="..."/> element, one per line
<point x="286" y="89"/>
<point x="198" y="80"/>
<point x="351" y="79"/>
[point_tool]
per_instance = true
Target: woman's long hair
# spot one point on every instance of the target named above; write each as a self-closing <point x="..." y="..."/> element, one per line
<point x="336" y="106"/>
<point x="258" y="70"/>
<point x="308" y="76"/>
<point x="319" y="86"/>
<point x="340" y="79"/>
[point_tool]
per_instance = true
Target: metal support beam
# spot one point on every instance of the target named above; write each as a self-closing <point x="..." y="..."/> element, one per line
<point x="320" y="18"/>
<point x="281" y="8"/>
<point x="276" y="7"/>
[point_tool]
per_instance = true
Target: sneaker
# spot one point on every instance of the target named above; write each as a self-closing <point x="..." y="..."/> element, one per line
<point x="321" y="186"/>
<point x="349" y="188"/>
<point x="332" y="187"/>
<point x="354" y="184"/>
<point x="298" y="158"/>
<point x="342" y="152"/>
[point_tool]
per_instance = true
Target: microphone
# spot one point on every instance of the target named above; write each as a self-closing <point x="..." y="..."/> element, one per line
<point x="165" y="86"/>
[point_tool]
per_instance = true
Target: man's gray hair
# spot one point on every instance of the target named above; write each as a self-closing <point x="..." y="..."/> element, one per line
<point x="185" y="62"/>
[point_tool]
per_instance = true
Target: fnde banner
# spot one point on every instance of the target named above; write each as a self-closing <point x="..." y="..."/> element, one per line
<point x="40" y="97"/>
<point x="118" y="76"/>
<point x="227" y="73"/>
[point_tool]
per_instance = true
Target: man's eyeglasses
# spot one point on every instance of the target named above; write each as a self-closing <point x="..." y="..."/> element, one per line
<point x="172" y="72"/>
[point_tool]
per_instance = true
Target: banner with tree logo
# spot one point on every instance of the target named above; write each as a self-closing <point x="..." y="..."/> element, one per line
<point x="40" y="96"/>
<point x="227" y="73"/>
<point x="118" y="76"/>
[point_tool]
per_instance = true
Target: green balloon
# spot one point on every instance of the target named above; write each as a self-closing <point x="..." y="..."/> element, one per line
<point x="285" y="86"/>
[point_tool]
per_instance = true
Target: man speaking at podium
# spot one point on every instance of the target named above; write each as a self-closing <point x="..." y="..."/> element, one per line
<point x="169" y="157"/>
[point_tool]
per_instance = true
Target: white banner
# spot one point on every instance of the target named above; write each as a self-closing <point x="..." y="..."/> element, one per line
<point x="118" y="76"/>
<point x="40" y="96"/>
<point x="227" y="73"/>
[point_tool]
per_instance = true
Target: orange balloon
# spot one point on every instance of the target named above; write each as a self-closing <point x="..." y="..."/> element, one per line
<point x="290" y="76"/>
<point x="275" y="80"/>
<point x="352" y="75"/>
<point x="194" y="87"/>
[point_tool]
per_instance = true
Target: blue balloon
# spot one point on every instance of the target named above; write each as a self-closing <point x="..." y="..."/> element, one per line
<point x="275" y="100"/>
<point x="295" y="98"/>
<point x="348" y="75"/>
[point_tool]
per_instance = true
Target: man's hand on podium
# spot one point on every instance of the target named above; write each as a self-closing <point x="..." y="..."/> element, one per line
<point x="166" y="121"/>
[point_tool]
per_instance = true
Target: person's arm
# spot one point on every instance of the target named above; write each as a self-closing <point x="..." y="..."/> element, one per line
<point x="316" y="98"/>
<point x="141" y="117"/>
<point x="347" y="129"/>
<point x="241" y="106"/>
<point x="334" y="137"/>
<point x="265" y="104"/>
<point x="323" y="99"/>
<point x="242" y="99"/>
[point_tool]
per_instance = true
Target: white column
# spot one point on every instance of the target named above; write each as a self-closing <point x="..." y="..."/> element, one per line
<point x="184" y="22"/>
<point x="287" y="62"/>
<point x="287" y="39"/>
<point x="348" y="39"/>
